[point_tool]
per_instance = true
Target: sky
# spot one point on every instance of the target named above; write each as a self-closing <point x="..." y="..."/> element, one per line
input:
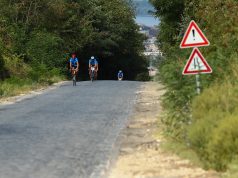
<point x="143" y="17"/>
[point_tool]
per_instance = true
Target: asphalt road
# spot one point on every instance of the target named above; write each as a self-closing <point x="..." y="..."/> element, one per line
<point x="68" y="132"/>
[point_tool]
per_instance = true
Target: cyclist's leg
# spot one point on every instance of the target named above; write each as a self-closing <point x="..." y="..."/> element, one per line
<point x="75" y="72"/>
<point x="96" y="72"/>
<point x="72" y="71"/>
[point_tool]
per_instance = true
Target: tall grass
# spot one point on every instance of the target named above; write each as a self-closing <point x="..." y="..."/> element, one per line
<point x="15" y="86"/>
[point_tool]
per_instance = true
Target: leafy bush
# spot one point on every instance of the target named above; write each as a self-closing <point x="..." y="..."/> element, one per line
<point x="213" y="132"/>
<point x="143" y="77"/>
<point x="232" y="169"/>
<point x="43" y="74"/>
<point x="16" y="66"/>
<point x="1" y="92"/>
<point x="1" y="58"/>
<point x="38" y="71"/>
<point x="45" y="48"/>
<point x="223" y="146"/>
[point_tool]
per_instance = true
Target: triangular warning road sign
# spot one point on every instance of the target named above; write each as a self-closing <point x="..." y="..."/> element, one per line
<point x="196" y="64"/>
<point x="194" y="37"/>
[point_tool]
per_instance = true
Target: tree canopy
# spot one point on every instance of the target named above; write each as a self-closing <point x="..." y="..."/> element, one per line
<point x="46" y="32"/>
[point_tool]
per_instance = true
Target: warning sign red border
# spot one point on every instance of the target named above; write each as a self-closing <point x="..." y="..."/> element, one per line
<point x="187" y="72"/>
<point x="191" y="25"/>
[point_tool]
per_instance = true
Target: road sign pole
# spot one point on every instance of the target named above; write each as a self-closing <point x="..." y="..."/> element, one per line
<point x="198" y="83"/>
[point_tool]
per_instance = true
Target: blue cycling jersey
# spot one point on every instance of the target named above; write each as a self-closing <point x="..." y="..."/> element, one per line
<point x="120" y="75"/>
<point x="74" y="61"/>
<point x="93" y="62"/>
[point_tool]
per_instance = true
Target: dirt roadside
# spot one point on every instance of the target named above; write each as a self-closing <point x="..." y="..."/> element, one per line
<point x="141" y="155"/>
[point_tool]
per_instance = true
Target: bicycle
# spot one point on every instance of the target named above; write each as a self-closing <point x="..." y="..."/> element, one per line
<point x="74" y="73"/>
<point x="92" y="73"/>
<point x="120" y="78"/>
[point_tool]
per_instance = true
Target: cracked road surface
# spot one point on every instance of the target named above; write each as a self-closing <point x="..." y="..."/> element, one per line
<point x="69" y="132"/>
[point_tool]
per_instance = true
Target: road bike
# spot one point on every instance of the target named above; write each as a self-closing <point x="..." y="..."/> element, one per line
<point x="92" y="73"/>
<point x="74" y="73"/>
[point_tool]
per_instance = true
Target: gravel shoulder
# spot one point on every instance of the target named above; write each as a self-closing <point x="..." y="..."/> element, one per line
<point x="141" y="154"/>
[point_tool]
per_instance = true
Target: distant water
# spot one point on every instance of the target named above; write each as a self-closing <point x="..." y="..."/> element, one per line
<point x="147" y="20"/>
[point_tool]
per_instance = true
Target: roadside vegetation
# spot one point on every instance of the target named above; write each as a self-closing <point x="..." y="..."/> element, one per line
<point x="38" y="37"/>
<point x="206" y="124"/>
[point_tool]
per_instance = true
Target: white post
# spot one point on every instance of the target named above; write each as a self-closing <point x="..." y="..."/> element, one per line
<point x="198" y="84"/>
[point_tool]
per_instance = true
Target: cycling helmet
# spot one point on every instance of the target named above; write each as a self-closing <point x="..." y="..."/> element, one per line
<point x="92" y="57"/>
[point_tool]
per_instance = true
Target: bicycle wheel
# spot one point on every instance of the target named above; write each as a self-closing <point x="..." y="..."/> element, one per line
<point x="92" y="76"/>
<point x="74" y="80"/>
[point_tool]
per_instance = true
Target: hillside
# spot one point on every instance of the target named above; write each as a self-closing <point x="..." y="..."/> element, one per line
<point x="143" y="7"/>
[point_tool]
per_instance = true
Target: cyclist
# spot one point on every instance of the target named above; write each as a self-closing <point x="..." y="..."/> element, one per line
<point x="120" y="75"/>
<point x="74" y="63"/>
<point x="93" y="63"/>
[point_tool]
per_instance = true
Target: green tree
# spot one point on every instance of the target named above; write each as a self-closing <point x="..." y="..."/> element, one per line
<point x="42" y="31"/>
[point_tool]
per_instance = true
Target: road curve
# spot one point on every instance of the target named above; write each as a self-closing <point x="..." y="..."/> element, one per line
<point x="68" y="132"/>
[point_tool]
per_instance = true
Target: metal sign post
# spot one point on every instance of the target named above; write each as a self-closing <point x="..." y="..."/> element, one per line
<point x="198" y="84"/>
